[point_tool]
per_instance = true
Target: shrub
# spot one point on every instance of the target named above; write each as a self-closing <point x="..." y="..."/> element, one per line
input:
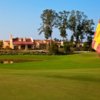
<point x="53" y="48"/>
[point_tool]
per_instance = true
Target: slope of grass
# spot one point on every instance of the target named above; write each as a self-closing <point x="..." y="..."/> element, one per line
<point x="71" y="77"/>
<point x="54" y="62"/>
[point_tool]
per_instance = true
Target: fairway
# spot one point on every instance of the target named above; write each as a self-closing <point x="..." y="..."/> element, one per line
<point x="68" y="77"/>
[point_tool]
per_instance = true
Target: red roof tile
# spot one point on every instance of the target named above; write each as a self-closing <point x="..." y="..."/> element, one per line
<point x="22" y="43"/>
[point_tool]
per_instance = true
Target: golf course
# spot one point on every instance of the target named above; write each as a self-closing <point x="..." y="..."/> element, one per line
<point x="50" y="77"/>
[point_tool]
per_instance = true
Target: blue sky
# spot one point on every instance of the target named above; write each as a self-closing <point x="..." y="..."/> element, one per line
<point x="21" y="18"/>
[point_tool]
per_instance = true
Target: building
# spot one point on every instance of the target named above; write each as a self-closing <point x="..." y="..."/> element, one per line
<point x="6" y="44"/>
<point x="19" y="43"/>
<point x="41" y="44"/>
<point x="27" y="44"/>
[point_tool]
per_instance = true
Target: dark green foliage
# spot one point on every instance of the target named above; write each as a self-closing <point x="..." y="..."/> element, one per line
<point x="85" y="46"/>
<point x="72" y="38"/>
<point x="80" y="25"/>
<point x="53" y="48"/>
<point x="1" y="44"/>
<point x="67" y="48"/>
<point x="21" y="52"/>
<point x="48" y="21"/>
<point x="76" y="21"/>
<point x="62" y="23"/>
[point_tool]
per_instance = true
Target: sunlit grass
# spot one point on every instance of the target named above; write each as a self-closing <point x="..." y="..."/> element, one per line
<point x="71" y="77"/>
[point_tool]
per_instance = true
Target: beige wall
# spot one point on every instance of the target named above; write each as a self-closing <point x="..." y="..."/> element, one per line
<point x="6" y="44"/>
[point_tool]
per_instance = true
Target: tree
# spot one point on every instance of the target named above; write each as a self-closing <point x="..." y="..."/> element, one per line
<point x="62" y="23"/>
<point x="75" y="21"/>
<point x="72" y="22"/>
<point x="72" y="38"/>
<point x="81" y="26"/>
<point x="1" y="44"/>
<point x="48" y="21"/>
<point x="89" y="31"/>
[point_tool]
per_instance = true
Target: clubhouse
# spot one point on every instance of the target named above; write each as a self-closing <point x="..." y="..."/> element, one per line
<point x="25" y="43"/>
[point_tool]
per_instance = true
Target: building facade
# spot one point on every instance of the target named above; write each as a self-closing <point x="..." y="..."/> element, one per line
<point x="19" y="43"/>
<point x="27" y="44"/>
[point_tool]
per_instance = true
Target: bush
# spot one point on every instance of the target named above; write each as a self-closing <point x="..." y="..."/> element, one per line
<point x="87" y="46"/>
<point x="53" y="48"/>
<point x="67" y="47"/>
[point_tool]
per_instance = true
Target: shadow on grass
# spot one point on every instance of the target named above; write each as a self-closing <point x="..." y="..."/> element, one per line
<point x="78" y="78"/>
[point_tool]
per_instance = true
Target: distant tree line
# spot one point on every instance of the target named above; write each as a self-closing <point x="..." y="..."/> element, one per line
<point x="80" y="26"/>
<point x="76" y="21"/>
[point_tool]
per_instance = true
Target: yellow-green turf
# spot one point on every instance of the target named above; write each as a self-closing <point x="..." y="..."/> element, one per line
<point x="68" y="77"/>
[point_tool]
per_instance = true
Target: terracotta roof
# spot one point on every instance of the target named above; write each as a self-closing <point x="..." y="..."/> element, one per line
<point x="22" y="43"/>
<point x="7" y="41"/>
<point x="42" y="41"/>
<point x="22" y="39"/>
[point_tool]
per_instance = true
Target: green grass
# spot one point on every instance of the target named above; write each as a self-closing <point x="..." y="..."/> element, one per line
<point x="71" y="77"/>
